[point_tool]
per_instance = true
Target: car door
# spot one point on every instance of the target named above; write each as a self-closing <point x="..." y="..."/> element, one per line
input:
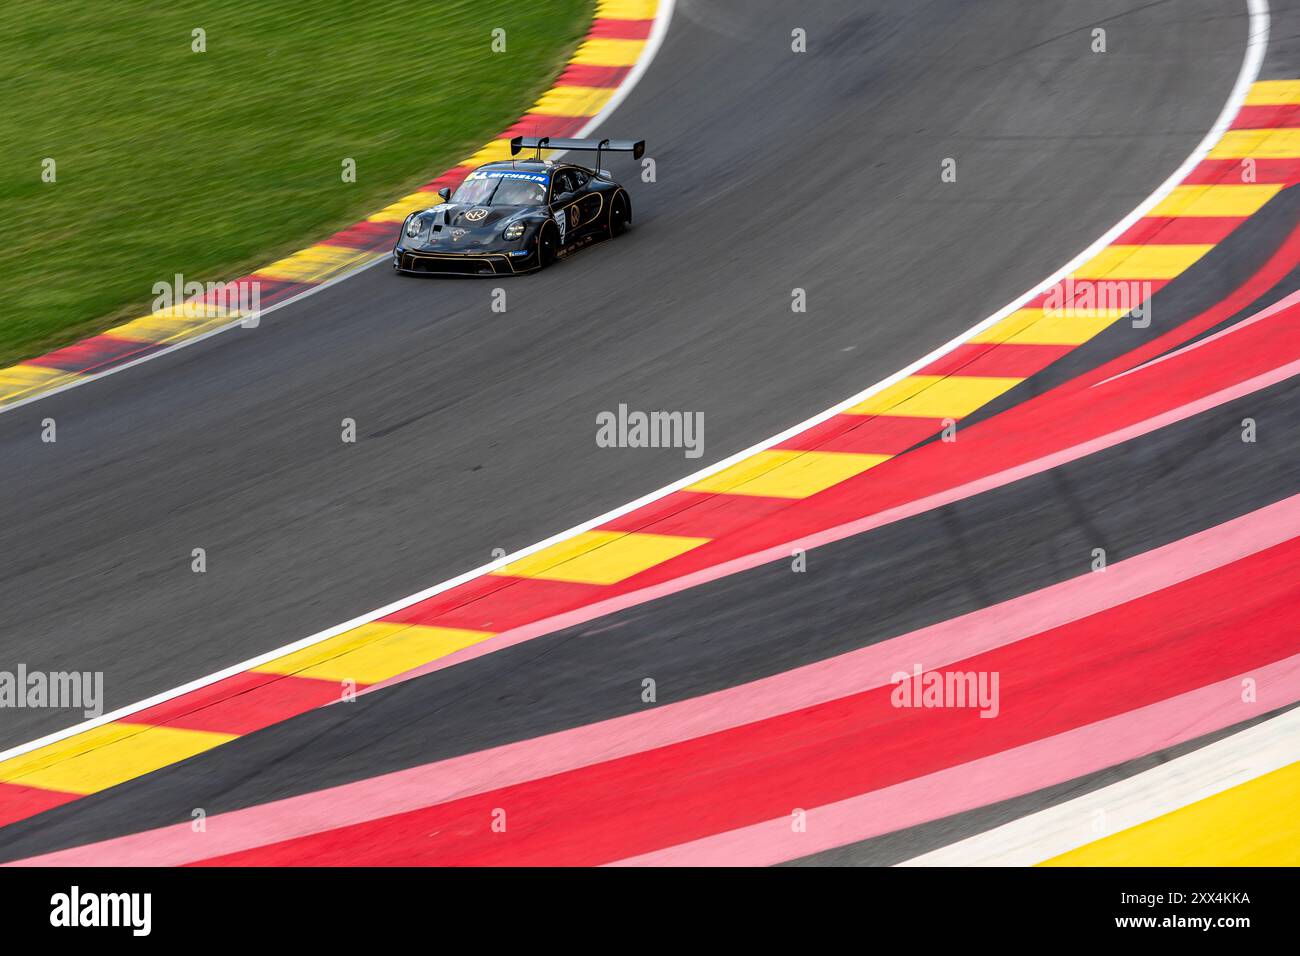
<point x="575" y="206"/>
<point x="564" y="203"/>
<point x="589" y="202"/>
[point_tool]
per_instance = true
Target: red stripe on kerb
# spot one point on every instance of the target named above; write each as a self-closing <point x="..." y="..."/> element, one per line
<point x="242" y="703"/>
<point x="1267" y="117"/>
<point x="579" y="74"/>
<point x="698" y="514"/>
<point x="497" y="603"/>
<point x="880" y="435"/>
<point x="241" y="287"/>
<point x="996" y="360"/>
<point x="93" y="354"/>
<point x="19" y="803"/>
<point x="621" y="29"/>
<point x="269" y="290"/>
<point x="452" y="177"/>
<point x="1174" y="230"/>
<point x="538" y="124"/>
<point x="365" y="235"/>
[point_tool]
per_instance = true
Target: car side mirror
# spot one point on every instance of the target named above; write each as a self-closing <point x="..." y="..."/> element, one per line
<point x="562" y="199"/>
<point x="445" y="193"/>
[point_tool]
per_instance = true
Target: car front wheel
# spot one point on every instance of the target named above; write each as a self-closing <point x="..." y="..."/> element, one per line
<point x="547" y="245"/>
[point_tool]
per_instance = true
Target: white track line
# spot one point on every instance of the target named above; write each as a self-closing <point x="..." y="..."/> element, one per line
<point x="1250" y="67"/>
<point x="1188" y="779"/>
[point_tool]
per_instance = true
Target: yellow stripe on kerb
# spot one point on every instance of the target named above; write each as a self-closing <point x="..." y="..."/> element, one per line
<point x="1036" y="326"/>
<point x="168" y="325"/>
<point x="626" y="9"/>
<point x="1258" y="144"/>
<point x="605" y="51"/>
<point x="1274" y="93"/>
<point x="493" y="152"/>
<point x="408" y="204"/>
<point x="935" y="396"/>
<point x="600" y="557"/>
<point x="573" y="101"/>
<point x="106" y="756"/>
<point x="19" y="380"/>
<point x="1141" y="262"/>
<point x="1220" y="200"/>
<point x="373" y="652"/>
<point x="164" y="330"/>
<point x="779" y="473"/>
<point x="1253" y="824"/>
<point x="316" y="263"/>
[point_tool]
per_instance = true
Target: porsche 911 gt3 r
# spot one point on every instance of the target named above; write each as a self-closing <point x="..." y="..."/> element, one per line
<point x="518" y="215"/>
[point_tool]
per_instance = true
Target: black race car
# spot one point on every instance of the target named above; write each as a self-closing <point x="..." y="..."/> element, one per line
<point x="518" y="215"/>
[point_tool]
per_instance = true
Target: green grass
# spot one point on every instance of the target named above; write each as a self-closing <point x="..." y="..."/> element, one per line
<point x="211" y="164"/>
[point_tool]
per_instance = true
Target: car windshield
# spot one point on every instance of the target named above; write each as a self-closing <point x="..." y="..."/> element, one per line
<point x="502" y="189"/>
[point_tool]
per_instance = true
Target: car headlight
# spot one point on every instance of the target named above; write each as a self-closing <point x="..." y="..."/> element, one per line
<point x="412" y="227"/>
<point x="514" y="231"/>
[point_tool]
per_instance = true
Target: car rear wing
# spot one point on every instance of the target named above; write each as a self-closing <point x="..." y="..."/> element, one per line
<point x="634" y="146"/>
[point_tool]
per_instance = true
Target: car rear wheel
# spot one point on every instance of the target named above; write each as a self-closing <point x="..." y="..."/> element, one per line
<point x="618" y="215"/>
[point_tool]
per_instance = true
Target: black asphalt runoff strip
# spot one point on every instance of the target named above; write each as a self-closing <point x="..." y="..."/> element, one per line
<point x="859" y="591"/>
<point x="1289" y="284"/>
<point x="901" y="845"/>
<point x="774" y="171"/>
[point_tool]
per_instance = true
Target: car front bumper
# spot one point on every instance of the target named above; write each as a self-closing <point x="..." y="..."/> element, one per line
<point x="419" y="262"/>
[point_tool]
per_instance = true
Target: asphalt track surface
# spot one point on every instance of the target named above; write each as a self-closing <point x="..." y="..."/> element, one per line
<point x="476" y="430"/>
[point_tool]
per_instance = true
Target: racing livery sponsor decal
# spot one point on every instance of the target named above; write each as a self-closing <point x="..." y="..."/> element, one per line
<point x="542" y="178"/>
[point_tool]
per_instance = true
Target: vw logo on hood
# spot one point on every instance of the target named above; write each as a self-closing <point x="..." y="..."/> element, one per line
<point x="475" y="214"/>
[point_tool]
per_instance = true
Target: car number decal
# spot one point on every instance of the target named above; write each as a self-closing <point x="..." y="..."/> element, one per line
<point x="561" y="220"/>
